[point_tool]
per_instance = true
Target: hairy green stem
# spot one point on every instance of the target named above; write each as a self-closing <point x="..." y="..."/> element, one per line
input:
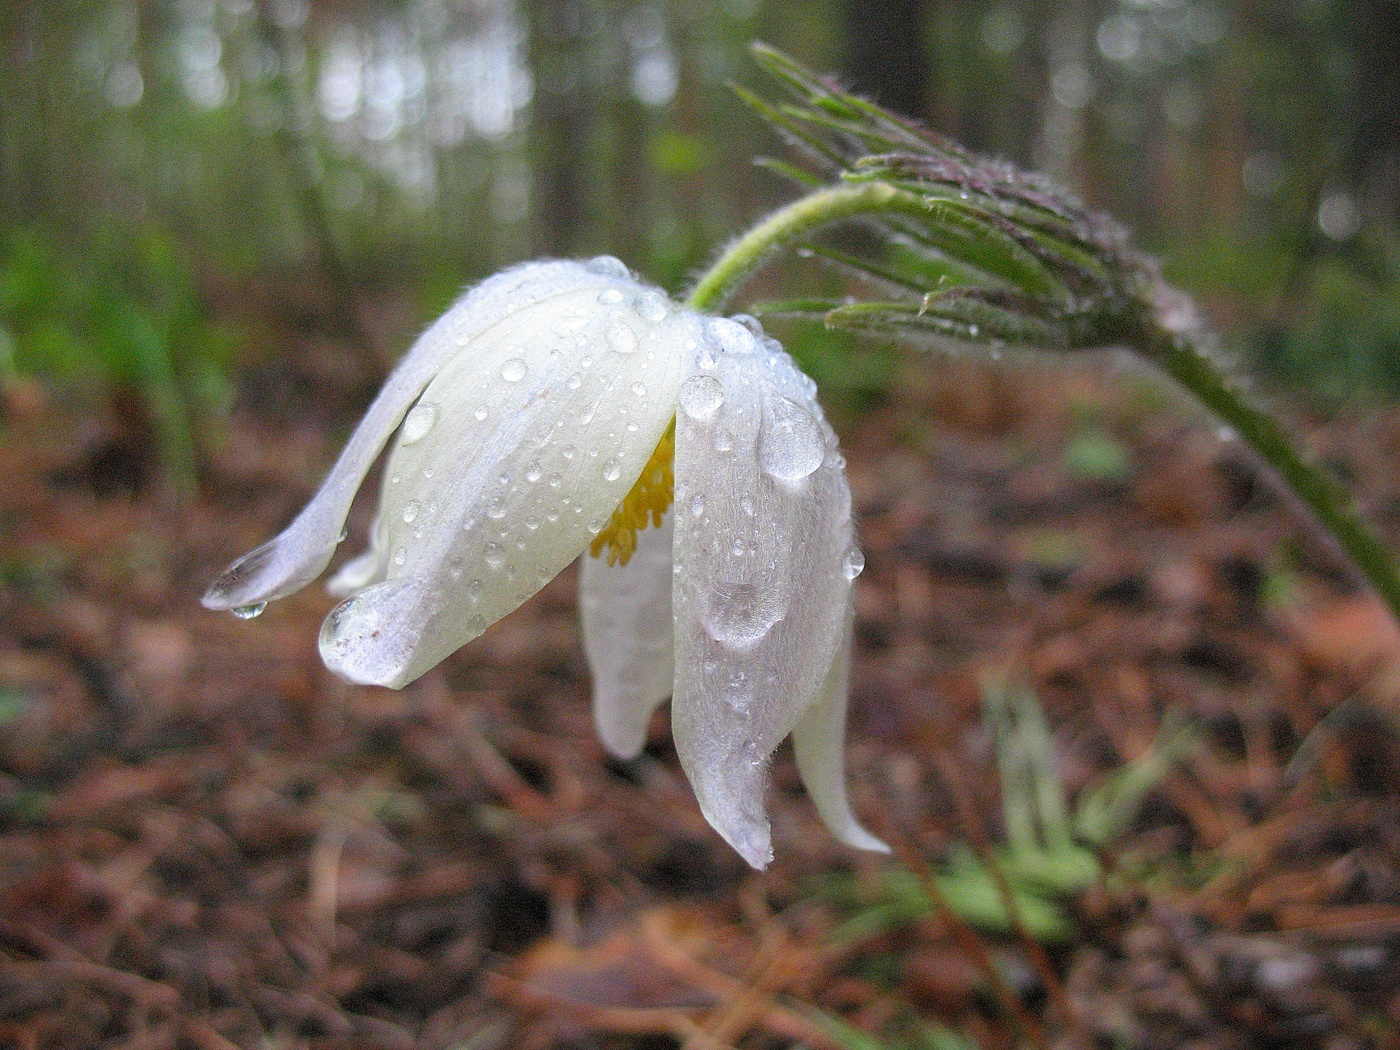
<point x="1175" y="353"/>
<point x="784" y="226"/>
<point x="1331" y="505"/>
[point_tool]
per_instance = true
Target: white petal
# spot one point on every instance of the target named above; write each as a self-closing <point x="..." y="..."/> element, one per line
<point x="364" y="569"/>
<point x="538" y="429"/>
<point x="300" y="553"/>
<point x="818" y="743"/>
<point x="626" y="612"/>
<point x="763" y="529"/>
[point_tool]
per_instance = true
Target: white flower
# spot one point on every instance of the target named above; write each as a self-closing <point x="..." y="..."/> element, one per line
<point x="545" y="415"/>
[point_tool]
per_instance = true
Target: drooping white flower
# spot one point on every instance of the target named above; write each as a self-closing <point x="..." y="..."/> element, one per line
<point x="562" y="408"/>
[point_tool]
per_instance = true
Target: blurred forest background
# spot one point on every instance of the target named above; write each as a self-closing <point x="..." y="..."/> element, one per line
<point x="1129" y="721"/>
<point x="163" y="165"/>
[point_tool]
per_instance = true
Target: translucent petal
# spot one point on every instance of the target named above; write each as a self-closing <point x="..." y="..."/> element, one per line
<point x="526" y="442"/>
<point x="626" y="612"/>
<point x="364" y="569"/>
<point x="300" y="553"/>
<point x="763" y="527"/>
<point x="818" y="743"/>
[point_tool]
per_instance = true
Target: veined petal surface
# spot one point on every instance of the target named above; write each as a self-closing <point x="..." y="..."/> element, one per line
<point x="626" y="613"/>
<point x="513" y="458"/>
<point x="301" y="552"/>
<point x="762" y="533"/>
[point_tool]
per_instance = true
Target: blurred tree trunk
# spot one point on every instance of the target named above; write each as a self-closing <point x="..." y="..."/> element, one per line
<point x="1375" y="152"/>
<point x="561" y="125"/>
<point x="887" y="53"/>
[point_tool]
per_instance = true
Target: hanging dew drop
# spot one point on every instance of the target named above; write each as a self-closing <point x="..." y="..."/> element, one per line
<point x="853" y="564"/>
<point x="247" y="612"/>
<point x="420" y="419"/>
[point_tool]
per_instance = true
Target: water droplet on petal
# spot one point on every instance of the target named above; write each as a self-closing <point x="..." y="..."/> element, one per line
<point x="620" y="337"/>
<point x="410" y="511"/>
<point x="247" y="612"/>
<point x="707" y="358"/>
<point x="608" y="266"/>
<point x="750" y="322"/>
<point x="568" y="451"/>
<point x="476" y="624"/>
<point x="400" y="555"/>
<point x="746" y="504"/>
<point x="701" y="396"/>
<point x="791" y="444"/>
<point x="612" y="470"/>
<point x="724" y="440"/>
<point x="742" y="613"/>
<point x="475" y="589"/>
<point x="533" y="471"/>
<point x="418" y="422"/>
<point x="496" y="511"/>
<point x="972" y="330"/>
<point x="853" y="564"/>
<point x="731" y="337"/>
<point x="697" y="504"/>
<point x="639" y="389"/>
<point x="514" y="370"/>
<point x="609" y="296"/>
<point x="574" y="381"/>
<point x="651" y="306"/>
<point x="480" y="413"/>
<point x="494" y="555"/>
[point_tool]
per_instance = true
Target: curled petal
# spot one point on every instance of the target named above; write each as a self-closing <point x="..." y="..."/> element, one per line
<point x="626" y="612"/>
<point x="763" y="529"/>
<point x="513" y="458"/>
<point x="301" y="552"/>
<point x="818" y="743"/>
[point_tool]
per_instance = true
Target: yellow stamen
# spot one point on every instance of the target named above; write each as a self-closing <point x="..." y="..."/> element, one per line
<point x="645" y="505"/>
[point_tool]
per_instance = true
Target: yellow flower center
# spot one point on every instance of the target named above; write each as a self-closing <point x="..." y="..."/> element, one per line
<point x="644" y="505"/>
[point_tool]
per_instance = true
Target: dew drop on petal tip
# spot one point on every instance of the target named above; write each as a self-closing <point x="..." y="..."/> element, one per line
<point x="853" y="564"/>
<point x="247" y="612"/>
<point x="514" y="370"/>
<point x="701" y="396"/>
<point x="420" y="419"/>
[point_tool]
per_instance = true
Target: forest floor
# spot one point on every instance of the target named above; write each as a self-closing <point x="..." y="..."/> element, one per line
<point x="208" y="841"/>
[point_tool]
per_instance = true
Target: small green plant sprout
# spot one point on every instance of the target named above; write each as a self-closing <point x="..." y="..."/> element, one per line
<point x="1052" y="848"/>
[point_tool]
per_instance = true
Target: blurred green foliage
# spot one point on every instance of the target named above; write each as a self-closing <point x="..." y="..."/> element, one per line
<point x="124" y="312"/>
